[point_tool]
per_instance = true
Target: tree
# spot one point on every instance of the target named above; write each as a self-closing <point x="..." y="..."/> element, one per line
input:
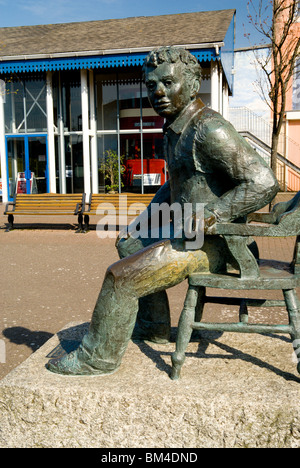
<point x="110" y="168"/>
<point x="276" y="21"/>
<point x="4" y="89"/>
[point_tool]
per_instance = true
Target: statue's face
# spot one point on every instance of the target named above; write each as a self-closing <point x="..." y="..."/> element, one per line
<point x="169" y="91"/>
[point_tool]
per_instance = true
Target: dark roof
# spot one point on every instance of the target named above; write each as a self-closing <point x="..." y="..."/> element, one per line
<point x="114" y="34"/>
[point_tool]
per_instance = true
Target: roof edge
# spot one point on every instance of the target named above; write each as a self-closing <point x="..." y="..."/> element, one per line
<point x="233" y="10"/>
<point x="209" y="45"/>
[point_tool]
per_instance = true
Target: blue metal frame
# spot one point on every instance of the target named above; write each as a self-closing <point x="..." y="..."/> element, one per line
<point x="27" y="171"/>
<point x="76" y="63"/>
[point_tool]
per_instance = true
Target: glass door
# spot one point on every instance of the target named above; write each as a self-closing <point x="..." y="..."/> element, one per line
<point x="27" y="158"/>
<point x="15" y="150"/>
<point x="37" y="159"/>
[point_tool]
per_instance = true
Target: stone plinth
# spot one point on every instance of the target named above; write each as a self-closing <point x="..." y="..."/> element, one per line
<point x="235" y="391"/>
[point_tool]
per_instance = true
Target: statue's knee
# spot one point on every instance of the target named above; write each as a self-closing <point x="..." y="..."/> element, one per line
<point x="128" y="246"/>
<point x="122" y="248"/>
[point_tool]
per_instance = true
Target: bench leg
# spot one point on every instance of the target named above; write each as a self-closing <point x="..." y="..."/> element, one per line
<point x="86" y="223"/>
<point x="80" y="223"/>
<point x="293" y="308"/>
<point x="10" y="223"/>
<point x="185" y="330"/>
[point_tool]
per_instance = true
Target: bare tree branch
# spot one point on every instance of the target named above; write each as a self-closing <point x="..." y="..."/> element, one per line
<point x="275" y="21"/>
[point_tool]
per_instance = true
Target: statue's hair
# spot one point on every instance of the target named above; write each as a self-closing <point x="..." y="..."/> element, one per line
<point x="172" y="54"/>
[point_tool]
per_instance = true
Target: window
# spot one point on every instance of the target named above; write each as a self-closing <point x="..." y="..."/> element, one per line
<point x="127" y="125"/>
<point x="106" y="100"/>
<point x="71" y="101"/>
<point x="25" y="107"/>
<point x="296" y="87"/>
<point x="297" y="10"/>
<point x="105" y="143"/>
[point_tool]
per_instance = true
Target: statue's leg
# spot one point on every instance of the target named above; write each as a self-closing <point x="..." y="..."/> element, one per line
<point x="293" y="308"/>
<point x="151" y="270"/>
<point x="153" y="319"/>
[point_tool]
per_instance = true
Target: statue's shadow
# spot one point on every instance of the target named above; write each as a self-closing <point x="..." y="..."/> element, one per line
<point x="204" y="339"/>
<point x="69" y="339"/>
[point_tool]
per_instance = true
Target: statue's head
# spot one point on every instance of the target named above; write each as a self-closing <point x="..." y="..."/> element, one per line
<point x="172" y="76"/>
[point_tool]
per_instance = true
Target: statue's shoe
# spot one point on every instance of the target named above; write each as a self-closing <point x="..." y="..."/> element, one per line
<point x="72" y="364"/>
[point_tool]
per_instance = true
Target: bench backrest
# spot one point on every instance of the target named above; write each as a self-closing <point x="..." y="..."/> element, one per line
<point x="48" y="201"/>
<point x="120" y="201"/>
<point x="282" y="221"/>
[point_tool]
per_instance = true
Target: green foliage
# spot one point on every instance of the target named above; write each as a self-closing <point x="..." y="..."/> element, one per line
<point x="7" y="90"/>
<point x="110" y="168"/>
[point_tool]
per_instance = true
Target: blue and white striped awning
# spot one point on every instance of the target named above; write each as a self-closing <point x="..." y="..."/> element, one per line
<point x="96" y="61"/>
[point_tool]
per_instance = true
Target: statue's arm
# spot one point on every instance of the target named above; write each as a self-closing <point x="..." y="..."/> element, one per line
<point x="163" y="195"/>
<point x="230" y="156"/>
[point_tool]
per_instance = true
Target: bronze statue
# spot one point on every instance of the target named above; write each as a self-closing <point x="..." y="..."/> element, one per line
<point x="209" y="163"/>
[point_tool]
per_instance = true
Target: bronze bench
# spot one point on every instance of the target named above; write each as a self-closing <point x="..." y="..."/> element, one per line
<point x="253" y="274"/>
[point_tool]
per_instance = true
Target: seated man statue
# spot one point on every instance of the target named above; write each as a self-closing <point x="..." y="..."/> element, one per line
<point x="209" y="163"/>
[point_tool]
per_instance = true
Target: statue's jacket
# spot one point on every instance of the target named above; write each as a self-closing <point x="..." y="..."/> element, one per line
<point x="209" y="162"/>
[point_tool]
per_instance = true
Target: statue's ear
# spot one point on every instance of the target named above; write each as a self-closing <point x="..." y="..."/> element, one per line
<point x="195" y="87"/>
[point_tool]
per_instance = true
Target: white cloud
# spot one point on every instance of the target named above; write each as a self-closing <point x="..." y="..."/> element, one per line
<point x="246" y="89"/>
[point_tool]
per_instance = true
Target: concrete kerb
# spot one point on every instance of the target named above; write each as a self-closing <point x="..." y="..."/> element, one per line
<point x="235" y="391"/>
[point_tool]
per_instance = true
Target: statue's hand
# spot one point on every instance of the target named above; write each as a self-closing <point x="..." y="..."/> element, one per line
<point x="123" y="234"/>
<point x="209" y="222"/>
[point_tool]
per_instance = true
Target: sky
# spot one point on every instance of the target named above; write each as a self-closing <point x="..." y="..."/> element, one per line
<point x="34" y="12"/>
<point x="246" y="91"/>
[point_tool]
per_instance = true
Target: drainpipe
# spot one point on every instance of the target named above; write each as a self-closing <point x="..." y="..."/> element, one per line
<point x="2" y="145"/>
<point x="85" y="131"/>
<point x="50" y="129"/>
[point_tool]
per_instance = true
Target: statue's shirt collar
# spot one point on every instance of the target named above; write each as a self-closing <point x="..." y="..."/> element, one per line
<point x="184" y="118"/>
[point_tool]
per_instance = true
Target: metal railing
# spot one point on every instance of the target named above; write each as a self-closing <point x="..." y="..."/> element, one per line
<point x="258" y="132"/>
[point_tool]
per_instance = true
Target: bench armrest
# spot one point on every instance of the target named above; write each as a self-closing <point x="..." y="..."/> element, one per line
<point x="240" y="229"/>
<point x="9" y="204"/>
<point x="268" y="218"/>
<point x="78" y="208"/>
<point x="80" y="205"/>
<point x="287" y="227"/>
<point x="87" y="204"/>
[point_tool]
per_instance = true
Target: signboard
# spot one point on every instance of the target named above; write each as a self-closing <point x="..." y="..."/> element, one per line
<point x="21" y="183"/>
<point x="0" y="186"/>
<point x="154" y="172"/>
<point x="149" y="179"/>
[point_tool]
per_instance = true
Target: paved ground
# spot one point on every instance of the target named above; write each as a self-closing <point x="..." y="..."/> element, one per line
<point x="51" y="276"/>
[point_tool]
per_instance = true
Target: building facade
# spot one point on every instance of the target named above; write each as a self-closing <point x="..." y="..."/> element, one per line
<point x="290" y="138"/>
<point x="292" y="128"/>
<point x="72" y="94"/>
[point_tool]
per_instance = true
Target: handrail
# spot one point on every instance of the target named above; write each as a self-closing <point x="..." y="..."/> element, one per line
<point x="256" y="129"/>
<point x="268" y="148"/>
<point x="244" y="119"/>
